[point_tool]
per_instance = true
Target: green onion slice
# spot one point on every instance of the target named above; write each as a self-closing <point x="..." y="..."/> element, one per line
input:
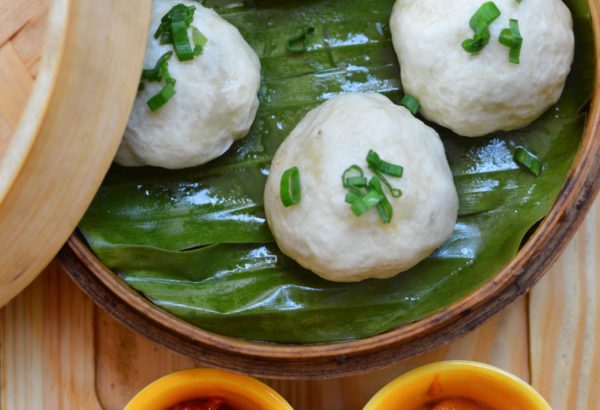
<point x="480" y="24"/>
<point x="377" y="164"/>
<point x="179" y="12"/>
<point x="290" y="187"/>
<point x="156" y="74"/>
<point x="163" y="96"/>
<point x="354" y="180"/>
<point x="384" y="207"/>
<point x="396" y="193"/>
<point x="200" y="41"/>
<point x="410" y="103"/>
<point x="361" y="204"/>
<point x="298" y="43"/>
<point x="181" y="41"/>
<point x="511" y="38"/>
<point x="529" y="161"/>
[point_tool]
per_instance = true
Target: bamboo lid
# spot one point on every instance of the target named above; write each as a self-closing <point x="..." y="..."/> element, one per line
<point x="69" y="71"/>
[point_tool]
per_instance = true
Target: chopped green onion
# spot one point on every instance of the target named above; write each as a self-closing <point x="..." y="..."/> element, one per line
<point x="511" y="38"/>
<point x="298" y="43"/>
<point x="410" y="103"/>
<point x="396" y="193"/>
<point x="159" y="73"/>
<point x="181" y="41"/>
<point x="384" y="207"/>
<point x="361" y="204"/>
<point x="155" y="74"/>
<point x="160" y="99"/>
<point x="290" y="187"/>
<point x="480" y="24"/>
<point x="179" y="12"/>
<point x="354" y="180"/>
<point x="200" y="41"/>
<point x="379" y="165"/>
<point x="529" y="161"/>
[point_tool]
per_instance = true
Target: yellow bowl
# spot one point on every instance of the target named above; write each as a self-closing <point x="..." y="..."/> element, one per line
<point x="239" y="392"/>
<point x="479" y="382"/>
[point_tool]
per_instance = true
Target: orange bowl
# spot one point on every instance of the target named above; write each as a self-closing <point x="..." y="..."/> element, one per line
<point x="239" y="392"/>
<point x="478" y="382"/>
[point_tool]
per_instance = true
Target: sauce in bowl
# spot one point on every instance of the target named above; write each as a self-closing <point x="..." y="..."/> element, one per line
<point x="455" y="404"/>
<point x="212" y="403"/>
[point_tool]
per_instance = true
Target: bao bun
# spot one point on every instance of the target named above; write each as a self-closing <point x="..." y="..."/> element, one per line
<point x="215" y="101"/>
<point x="480" y="94"/>
<point x="321" y="232"/>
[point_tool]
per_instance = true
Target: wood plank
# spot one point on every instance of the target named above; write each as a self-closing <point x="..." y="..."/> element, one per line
<point x="16" y="84"/>
<point x="565" y="324"/>
<point x="123" y="367"/>
<point x="47" y="356"/>
<point x="16" y="14"/>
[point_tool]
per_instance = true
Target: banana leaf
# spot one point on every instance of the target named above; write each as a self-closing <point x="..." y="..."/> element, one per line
<point x="195" y="242"/>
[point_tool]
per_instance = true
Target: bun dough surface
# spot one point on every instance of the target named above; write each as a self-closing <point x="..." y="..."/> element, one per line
<point x="215" y="101"/>
<point x="321" y="232"/>
<point x="477" y="95"/>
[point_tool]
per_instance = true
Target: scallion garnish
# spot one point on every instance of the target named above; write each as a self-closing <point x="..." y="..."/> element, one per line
<point x="181" y="41"/>
<point x="377" y="164"/>
<point x="361" y="204"/>
<point x="364" y="194"/>
<point x="410" y="103"/>
<point x="354" y="180"/>
<point x="200" y="41"/>
<point x="480" y="24"/>
<point x="290" y="188"/>
<point x="160" y="99"/>
<point x="155" y="74"/>
<point x="159" y="73"/>
<point x="298" y="43"/>
<point x="529" y="161"/>
<point x="179" y="12"/>
<point x="511" y="38"/>
<point x="384" y="207"/>
<point x="173" y="29"/>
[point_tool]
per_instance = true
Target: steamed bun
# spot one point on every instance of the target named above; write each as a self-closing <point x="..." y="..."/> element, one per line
<point x="215" y="101"/>
<point x="321" y="232"/>
<point x="476" y="95"/>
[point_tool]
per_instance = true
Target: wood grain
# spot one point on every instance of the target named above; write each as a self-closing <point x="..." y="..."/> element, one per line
<point x="22" y="31"/>
<point x="51" y="166"/>
<point x="47" y="358"/>
<point x="565" y="324"/>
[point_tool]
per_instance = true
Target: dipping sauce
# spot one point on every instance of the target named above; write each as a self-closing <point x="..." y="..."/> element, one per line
<point x="455" y="404"/>
<point x="212" y="403"/>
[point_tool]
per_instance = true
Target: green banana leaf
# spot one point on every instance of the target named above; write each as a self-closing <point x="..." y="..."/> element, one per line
<point x="195" y="241"/>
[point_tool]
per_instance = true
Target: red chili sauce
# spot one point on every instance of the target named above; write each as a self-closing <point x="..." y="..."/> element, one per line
<point x="212" y="403"/>
<point x="454" y="404"/>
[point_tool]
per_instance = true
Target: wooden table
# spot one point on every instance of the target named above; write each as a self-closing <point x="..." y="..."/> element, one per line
<point x="58" y="351"/>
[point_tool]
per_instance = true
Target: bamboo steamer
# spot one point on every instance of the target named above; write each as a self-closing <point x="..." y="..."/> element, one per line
<point x="328" y="360"/>
<point x="59" y="129"/>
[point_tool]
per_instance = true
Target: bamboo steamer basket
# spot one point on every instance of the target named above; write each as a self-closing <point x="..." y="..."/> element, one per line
<point x="336" y="359"/>
<point x="59" y="131"/>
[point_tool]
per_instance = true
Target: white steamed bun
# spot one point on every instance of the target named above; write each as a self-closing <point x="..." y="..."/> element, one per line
<point x="476" y="95"/>
<point x="321" y="232"/>
<point x="215" y="101"/>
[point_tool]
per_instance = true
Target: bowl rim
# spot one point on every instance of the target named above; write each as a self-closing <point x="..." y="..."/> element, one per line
<point x="247" y="386"/>
<point x="448" y="366"/>
<point x="319" y="361"/>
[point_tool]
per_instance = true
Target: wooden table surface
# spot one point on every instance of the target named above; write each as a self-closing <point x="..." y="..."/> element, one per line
<point x="58" y="351"/>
